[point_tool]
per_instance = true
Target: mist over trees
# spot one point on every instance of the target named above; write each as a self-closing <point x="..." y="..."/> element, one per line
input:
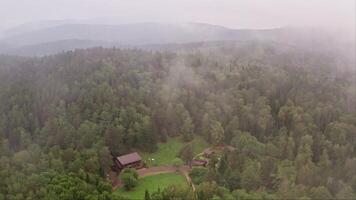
<point x="290" y="114"/>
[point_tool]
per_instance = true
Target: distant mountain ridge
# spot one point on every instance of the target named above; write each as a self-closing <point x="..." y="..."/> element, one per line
<point x="54" y="47"/>
<point x="57" y="36"/>
<point x="131" y="34"/>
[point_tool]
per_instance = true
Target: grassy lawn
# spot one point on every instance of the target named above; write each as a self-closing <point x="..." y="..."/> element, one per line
<point x="199" y="144"/>
<point x="152" y="183"/>
<point x="168" y="151"/>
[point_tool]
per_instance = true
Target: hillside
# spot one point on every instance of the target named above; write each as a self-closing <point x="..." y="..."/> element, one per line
<point x="54" y="47"/>
<point x="47" y="40"/>
<point x="289" y="114"/>
<point x="142" y="33"/>
<point x="55" y="37"/>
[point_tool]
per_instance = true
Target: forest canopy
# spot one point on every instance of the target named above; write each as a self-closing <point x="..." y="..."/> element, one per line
<point x="290" y="114"/>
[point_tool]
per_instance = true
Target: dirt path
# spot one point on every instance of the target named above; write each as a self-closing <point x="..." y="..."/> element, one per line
<point x="117" y="185"/>
<point x="114" y="180"/>
<point x="184" y="170"/>
<point x="155" y="170"/>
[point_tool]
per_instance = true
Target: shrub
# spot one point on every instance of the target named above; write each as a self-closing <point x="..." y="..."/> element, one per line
<point x="129" y="178"/>
<point x="198" y="174"/>
<point x="177" y="162"/>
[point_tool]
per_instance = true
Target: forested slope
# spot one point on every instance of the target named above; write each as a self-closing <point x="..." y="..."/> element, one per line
<point x="290" y="114"/>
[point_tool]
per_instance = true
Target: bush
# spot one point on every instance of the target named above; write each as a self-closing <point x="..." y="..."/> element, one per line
<point x="198" y="174"/>
<point x="177" y="162"/>
<point x="129" y="178"/>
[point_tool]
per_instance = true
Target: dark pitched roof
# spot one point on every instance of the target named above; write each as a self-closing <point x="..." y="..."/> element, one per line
<point x="129" y="158"/>
<point x="230" y="148"/>
<point x="208" y="151"/>
<point x="199" y="162"/>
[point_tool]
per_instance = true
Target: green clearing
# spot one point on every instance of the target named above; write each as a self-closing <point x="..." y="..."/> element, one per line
<point x="199" y="144"/>
<point x="152" y="183"/>
<point x="168" y="151"/>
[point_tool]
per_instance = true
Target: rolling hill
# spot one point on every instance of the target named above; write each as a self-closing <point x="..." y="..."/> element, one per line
<point x="51" y="38"/>
<point x="70" y="36"/>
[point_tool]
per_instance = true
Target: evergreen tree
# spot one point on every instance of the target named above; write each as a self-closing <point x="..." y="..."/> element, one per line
<point x="186" y="153"/>
<point x="147" y="195"/>
<point x="187" y="129"/>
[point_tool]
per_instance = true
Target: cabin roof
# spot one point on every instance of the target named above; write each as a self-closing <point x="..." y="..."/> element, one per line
<point x="230" y="148"/>
<point x="208" y="151"/>
<point x="129" y="158"/>
<point x="199" y="162"/>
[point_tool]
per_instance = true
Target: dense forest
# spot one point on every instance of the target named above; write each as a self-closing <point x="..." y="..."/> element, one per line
<point x="290" y="114"/>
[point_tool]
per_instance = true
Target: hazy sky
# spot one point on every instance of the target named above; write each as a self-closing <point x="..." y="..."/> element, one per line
<point x="231" y="13"/>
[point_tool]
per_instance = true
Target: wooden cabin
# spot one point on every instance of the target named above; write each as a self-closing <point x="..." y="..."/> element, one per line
<point x="132" y="160"/>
